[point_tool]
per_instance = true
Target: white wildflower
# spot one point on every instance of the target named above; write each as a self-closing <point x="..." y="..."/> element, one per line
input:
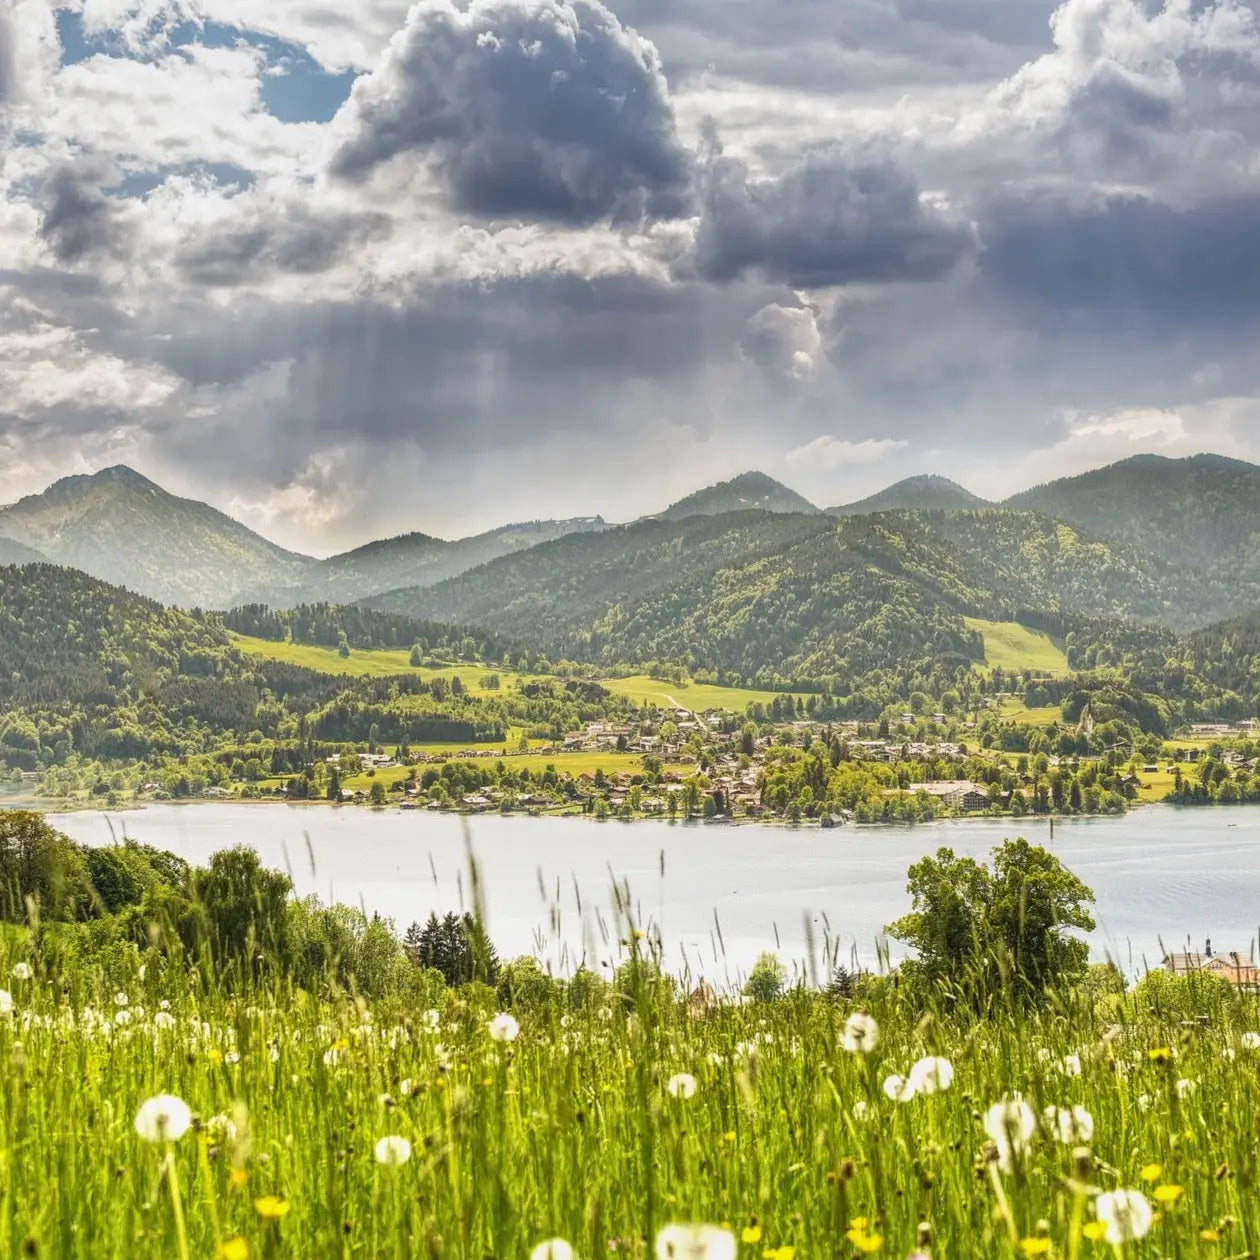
<point x="404" y="1087"/>
<point x="861" y="1034"/>
<point x="164" y="1118"/>
<point x="503" y="1027"/>
<point x="1072" y="1064"/>
<point x="1250" y="1041"/>
<point x="393" y="1150"/>
<point x="861" y="1109"/>
<point x="695" y="1242"/>
<point x="932" y="1075"/>
<point x="22" y="971"/>
<point x="164" y="1019"/>
<point x="898" y="1088"/>
<point x="1126" y="1214"/>
<point x="6" y="1002"/>
<point x="553" y="1249"/>
<point x="122" y="1017"/>
<point x="682" y="1085"/>
<point x="232" y="1056"/>
<point x="432" y="1020"/>
<point x="121" y="999"/>
<point x="1011" y="1124"/>
<point x="1073" y="1126"/>
<point x="1185" y="1088"/>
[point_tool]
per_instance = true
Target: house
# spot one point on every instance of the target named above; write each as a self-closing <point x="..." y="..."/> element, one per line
<point x="1235" y="968"/>
<point x="960" y="794"/>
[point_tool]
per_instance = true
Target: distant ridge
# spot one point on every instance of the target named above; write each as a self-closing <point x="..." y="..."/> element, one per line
<point x="119" y="526"/>
<point x="15" y="553"/>
<point x="927" y="493"/>
<point x="748" y="492"/>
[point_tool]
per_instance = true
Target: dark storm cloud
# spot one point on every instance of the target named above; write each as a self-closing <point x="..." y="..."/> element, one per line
<point x="291" y="239"/>
<point x="830" y="220"/>
<point x="852" y="46"/>
<point x="1126" y="262"/>
<point x="78" y="218"/>
<point x="542" y="109"/>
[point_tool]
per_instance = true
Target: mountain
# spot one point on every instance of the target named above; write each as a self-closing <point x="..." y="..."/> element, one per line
<point x="408" y="560"/>
<point x="122" y="528"/>
<point x="928" y="493"/>
<point x="15" y="553"/>
<point x="767" y="598"/>
<point x="1200" y="513"/>
<point x="750" y="490"/>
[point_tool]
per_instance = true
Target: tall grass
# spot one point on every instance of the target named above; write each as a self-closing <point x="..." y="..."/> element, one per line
<point x="580" y="1127"/>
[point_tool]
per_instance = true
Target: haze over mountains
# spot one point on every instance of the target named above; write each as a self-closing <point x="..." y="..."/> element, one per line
<point x="1164" y="541"/>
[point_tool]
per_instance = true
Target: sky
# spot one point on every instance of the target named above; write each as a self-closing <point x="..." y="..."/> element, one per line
<point x="347" y="268"/>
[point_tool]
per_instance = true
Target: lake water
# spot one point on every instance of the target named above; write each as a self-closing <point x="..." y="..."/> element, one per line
<point x="1159" y="873"/>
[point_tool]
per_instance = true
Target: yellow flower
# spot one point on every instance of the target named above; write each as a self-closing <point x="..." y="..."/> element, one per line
<point x="1151" y="1172"/>
<point x="865" y="1242"/>
<point x="215" y="1056"/>
<point x="271" y="1208"/>
<point x="233" y="1249"/>
<point x="1095" y="1231"/>
<point x="750" y="1234"/>
<point x="778" y="1253"/>
<point x="1168" y="1194"/>
<point x="1035" y="1246"/>
<point x="729" y="1137"/>
<point x="1160" y="1054"/>
<point x="1209" y="1235"/>
<point x="238" y="1177"/>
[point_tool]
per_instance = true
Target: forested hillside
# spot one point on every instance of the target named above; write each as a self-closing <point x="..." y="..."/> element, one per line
<point x="917" y="494"/>
<point x="750" y="491"/>
<point x="766" y="598"/>
<point x="1199" y="515"/>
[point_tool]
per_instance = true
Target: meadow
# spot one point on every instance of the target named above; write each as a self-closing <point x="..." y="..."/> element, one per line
<point x="1010" y="646"/>
<point x="614" y="1121"/>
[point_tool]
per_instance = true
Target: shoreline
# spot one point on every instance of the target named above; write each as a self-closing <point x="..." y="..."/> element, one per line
<point x="42" y="806"/>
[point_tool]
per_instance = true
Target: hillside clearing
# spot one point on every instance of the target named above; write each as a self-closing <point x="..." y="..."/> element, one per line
<point x="1010" y="646"/>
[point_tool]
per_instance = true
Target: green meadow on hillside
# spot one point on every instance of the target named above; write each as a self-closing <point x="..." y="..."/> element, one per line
<point x="1010" y="646"/>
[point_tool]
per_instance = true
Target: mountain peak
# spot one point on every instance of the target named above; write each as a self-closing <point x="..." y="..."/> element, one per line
<point x="928" y="492"/>
<point x="749" y="491"/>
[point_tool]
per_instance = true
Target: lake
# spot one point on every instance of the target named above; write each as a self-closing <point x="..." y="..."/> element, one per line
<point x="1159" y="873"/>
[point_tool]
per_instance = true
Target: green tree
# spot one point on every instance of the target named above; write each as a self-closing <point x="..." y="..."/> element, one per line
<point x="766" y="980"/>
<point x="377" y="795"/>
<point x="978" y="932"/>
<point x="243" y="909"/>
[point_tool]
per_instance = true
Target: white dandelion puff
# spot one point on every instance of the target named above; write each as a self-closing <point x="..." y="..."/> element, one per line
<point x="861" y="1034"/>
<point x="1126" y="1214"/>
<point x="163" y="1118"/>
<point x="553" y="1249"/>
<point x="695" y="1242"/>
<point x="1011" y="1124"/>
<point x="6" y="1002"/>
<point x="22" y="971"/>
<point x="682" y="1085"/>
<point x="1250" y="1041"/>
<point x="898" y="1088"/>
<point x="503" y="1027"/>
<point x="932" y="1075"/>
<point x="393" y="1150"/>
<point x="1073" y="1126"/>
<point x="1072" y="1064"/>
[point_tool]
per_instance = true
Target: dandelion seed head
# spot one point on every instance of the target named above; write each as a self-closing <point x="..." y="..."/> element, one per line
<point x="1125" y="1215"/>
<point x="393" y="1150"/>
<point x="503" y="1027"/>
<point x="553" y="1249"/>
<point x="1072" y="1126"/>
<point x="861" y="1033"/>
<point x="163" y="1118"/>
<point x="695" y="1242"/>
<point x="22" y="971"/>
<point x="932" y="1075"/>
<point x="681" y="1085"/>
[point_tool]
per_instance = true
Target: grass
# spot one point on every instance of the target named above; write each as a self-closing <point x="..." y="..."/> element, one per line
<point x="696" y="696"/>
<point x="1014" y="710"/>
<point x="572" y="1130"/>
<point x="1010" y="646"/>
<point x="361" y="664"/>
<point x="576" y="763"/>
<point x="381" y="663"/>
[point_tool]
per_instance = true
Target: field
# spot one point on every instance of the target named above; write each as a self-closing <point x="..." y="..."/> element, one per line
<point x="384" y="663"/>
<point x="358" y="664"/>
<point x="429" y="1125"/>
<point x="697" y="696"/>
<point x="1010" y="646"/>
<point x="1014" y="710"/>
<point x="575" y="763"/>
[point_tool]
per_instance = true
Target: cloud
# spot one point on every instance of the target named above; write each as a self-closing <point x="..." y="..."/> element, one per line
<point x="783" y="341"/>
<point x="1126" y="260"/>
<point x="8" y="56"/>
<point x="830" y="220"/>
<point x="79" y="219"/>
<point x="832" y="452"/>
<point x="543" y="109"/>
<point x="269" y="235"/>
